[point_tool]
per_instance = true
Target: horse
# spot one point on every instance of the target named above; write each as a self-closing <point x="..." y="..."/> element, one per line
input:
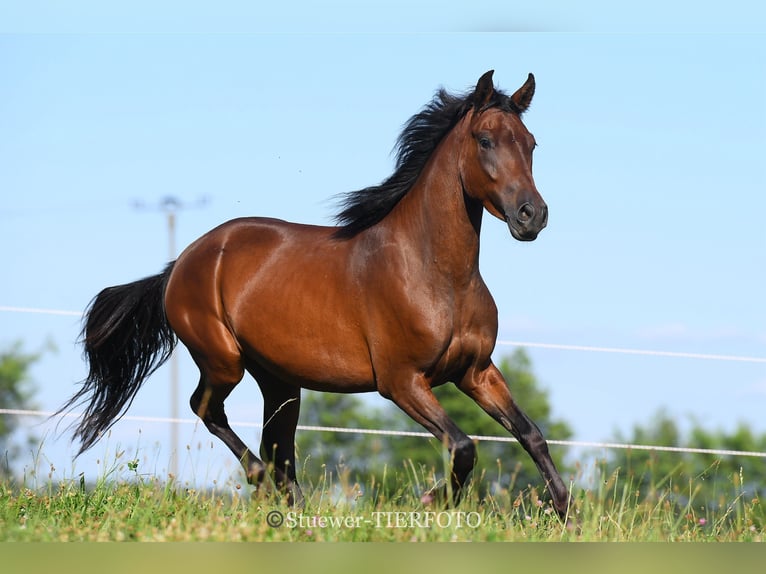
<point x="389" y="300"/>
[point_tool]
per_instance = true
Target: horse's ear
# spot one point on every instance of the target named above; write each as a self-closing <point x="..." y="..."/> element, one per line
<point x="523" y="96"/>
<point x="484" y="90"/>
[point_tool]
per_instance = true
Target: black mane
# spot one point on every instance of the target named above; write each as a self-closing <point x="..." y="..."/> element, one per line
<point x="421" y="134"/>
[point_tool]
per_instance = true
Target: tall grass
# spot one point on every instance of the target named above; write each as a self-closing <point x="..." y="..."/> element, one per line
<point x="125" y="504"/>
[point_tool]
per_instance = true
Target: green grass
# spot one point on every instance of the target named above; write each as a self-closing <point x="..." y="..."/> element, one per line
<point x="125" y="505"/>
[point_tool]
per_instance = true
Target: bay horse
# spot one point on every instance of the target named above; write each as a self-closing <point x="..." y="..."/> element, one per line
<point x="389" y="300"/>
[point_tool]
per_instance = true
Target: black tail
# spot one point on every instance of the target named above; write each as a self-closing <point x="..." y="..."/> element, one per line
<point x="126" y="337"/>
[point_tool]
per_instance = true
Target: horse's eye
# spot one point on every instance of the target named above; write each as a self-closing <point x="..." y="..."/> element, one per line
<point x="485" y="142"/>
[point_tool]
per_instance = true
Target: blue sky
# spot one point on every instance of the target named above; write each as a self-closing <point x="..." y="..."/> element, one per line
<point x="650" y="159"/>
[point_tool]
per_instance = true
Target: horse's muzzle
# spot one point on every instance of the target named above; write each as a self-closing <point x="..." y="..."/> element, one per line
<point x="528" y="221"/>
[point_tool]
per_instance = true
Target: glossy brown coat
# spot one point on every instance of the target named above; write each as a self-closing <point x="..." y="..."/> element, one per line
<point x="396" y="306"/>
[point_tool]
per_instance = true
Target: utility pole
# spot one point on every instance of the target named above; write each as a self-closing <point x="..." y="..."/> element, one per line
<point x="170" y="205"/>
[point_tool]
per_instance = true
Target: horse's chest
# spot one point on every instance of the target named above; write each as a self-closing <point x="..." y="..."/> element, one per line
<point x="470" y="341"/>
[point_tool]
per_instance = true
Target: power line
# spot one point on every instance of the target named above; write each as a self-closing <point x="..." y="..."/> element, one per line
<point x="8" y="309"/>
<point x="388" y="432"/>
<point x="625" y="351"/>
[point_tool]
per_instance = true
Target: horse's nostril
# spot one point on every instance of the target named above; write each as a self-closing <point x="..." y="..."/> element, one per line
<point x="525" y="213"/>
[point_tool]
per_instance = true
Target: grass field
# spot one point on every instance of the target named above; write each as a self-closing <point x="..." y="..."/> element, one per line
<point x="125" y="505"/>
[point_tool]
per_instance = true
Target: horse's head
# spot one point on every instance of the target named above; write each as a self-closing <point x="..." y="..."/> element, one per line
<point x="496" y="168"/>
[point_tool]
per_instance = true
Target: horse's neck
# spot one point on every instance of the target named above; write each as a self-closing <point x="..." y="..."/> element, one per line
<point x="437" y="220"/>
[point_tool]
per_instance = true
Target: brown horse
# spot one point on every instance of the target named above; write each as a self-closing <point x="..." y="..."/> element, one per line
<point x="391" y="300"/>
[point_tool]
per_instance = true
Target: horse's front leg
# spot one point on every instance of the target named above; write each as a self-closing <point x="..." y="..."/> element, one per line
<point x="418" y="401"/>
<point x="490" y="391"/>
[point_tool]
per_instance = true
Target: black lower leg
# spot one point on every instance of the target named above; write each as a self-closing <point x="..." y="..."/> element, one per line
<point x="463" y="460"/>
<point x="281" y="407"/>
<point x="531" y="439"/>
<point x="207" y="403"/>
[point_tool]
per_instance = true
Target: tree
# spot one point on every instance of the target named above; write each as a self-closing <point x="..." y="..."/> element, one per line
<point x="502" y="464"/>
<point x="710" y="480"/>
<point x="16" y="392"/>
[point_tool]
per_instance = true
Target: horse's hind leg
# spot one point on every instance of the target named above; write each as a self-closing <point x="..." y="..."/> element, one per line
<point x="219" y="374"/>
<point x="207" y="402"/>
<point x="281" y="406"/>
